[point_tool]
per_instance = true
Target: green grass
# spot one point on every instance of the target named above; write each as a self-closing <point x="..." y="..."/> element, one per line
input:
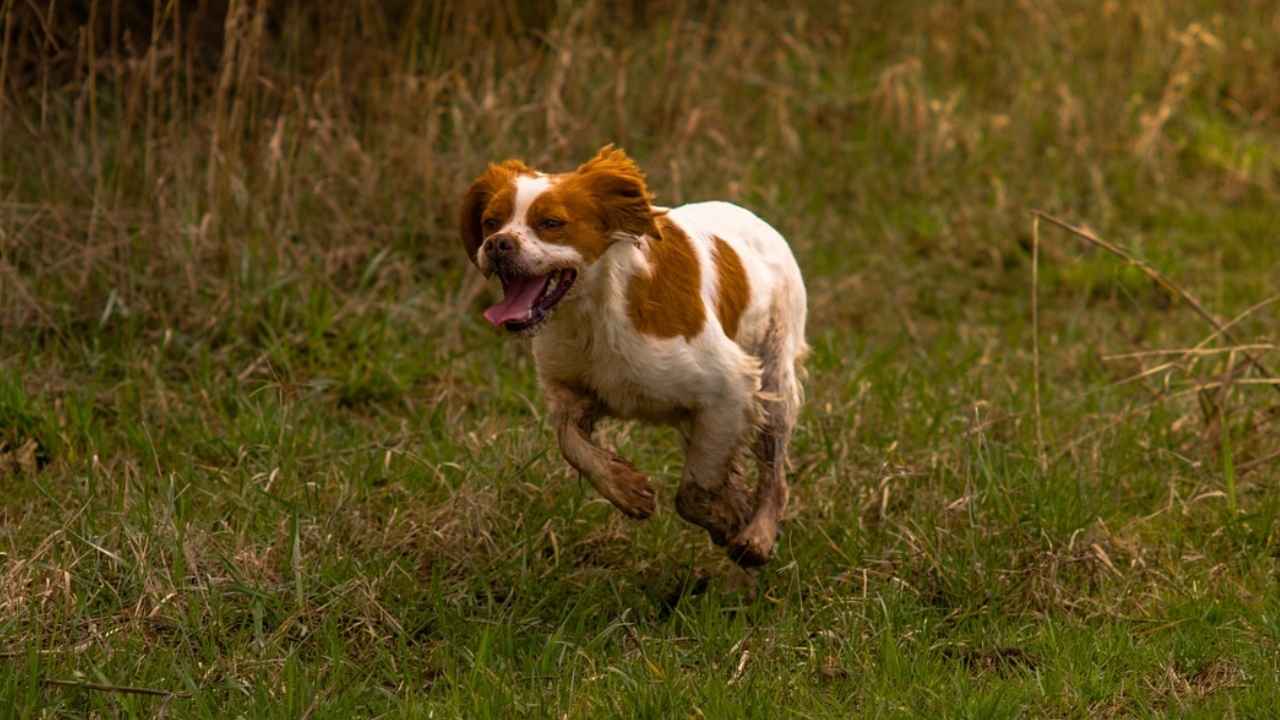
<point x="258" y="448"/>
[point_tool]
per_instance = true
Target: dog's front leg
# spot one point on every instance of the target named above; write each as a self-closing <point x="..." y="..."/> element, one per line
<point x="574" y="414"/>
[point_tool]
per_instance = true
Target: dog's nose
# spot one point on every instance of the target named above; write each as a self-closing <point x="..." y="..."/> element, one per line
<point x="500" y="246"/>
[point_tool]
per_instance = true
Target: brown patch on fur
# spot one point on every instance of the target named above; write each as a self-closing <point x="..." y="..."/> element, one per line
<point x="491" y="195"/>
<point x="583" y="228"/>
<point x="667" y="302"/>
<point x="605" y="195"/>
<point x="615" y="186"/>
<point x="732" y="289"/>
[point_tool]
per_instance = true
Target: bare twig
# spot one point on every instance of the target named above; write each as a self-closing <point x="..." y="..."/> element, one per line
<point x="1159" y="279"/>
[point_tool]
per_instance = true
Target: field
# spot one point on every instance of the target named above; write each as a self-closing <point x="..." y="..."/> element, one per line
<point x="260" y="456"/>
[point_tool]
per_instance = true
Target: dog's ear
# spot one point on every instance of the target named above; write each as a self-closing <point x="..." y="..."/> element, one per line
<point x="616" y="186"/>
<point x="477" y="198"/>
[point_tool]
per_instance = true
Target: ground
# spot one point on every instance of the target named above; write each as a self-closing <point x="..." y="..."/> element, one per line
<point x="261" y="456"/>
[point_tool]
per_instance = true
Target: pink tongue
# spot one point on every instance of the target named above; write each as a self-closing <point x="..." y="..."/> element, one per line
<point x="518" y="298"/>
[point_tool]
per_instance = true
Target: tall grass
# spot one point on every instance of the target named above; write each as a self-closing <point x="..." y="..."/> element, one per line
<point x="148" y="160"/>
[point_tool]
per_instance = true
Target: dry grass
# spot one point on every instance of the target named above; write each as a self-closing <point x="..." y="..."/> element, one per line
<point x="260" y="451"/>
<point x="313" y="153"/>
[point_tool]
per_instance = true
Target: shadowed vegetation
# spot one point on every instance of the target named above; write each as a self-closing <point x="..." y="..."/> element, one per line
<point x="258" y="448"/>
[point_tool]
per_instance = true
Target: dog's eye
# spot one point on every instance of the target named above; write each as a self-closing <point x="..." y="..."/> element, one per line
<point x="550" y="224"/>
<point x="490" y="224"/>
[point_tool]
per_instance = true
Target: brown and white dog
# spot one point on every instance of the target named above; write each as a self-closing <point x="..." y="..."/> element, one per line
<point x="692" y="316"/>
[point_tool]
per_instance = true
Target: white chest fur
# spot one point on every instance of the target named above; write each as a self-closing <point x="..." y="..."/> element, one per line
<point x="595" y="348"/>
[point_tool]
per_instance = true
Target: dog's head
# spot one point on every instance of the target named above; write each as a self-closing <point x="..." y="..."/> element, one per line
<point x="538" y="233"/>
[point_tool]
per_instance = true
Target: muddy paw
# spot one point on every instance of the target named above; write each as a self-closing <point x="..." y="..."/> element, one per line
<point x="706" y="510"/>
<point x="629" y="490"/>
<point x="737" y="505"/>
<point x="753" y="546"/>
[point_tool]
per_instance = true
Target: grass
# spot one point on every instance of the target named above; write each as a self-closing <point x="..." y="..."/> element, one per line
<point x="260" y="453"/>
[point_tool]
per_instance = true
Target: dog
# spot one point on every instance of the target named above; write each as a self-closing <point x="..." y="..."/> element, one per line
<point x="691" y="316"/>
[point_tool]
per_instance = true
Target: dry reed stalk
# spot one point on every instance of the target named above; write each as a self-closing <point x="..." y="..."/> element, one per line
<point x="1129" y="413"/>
<point x="1220" y="330"/>
<point x="1159" y="278"/>
<point x="246" y="70"/>
<point x="151" y="101"/>
<point x="1258" y="462"/>
<point x="1035" y="338"/>
<point x="1217" y="384"/>
<point x="226" y="78"/>
<point x="1237" y="320"/>
<point x="4" y="54"/>
<point x="91" y="67"/>
<point x="1224" y="435"/>
<point x="1195" y="351"/>
<point x="122" y="689"/>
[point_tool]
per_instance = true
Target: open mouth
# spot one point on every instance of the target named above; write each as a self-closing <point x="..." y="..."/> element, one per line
<point x="527" y="299"/>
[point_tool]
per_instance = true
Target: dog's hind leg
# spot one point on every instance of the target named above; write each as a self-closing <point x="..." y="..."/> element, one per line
<point x="780" y="391"/>
<point x="574" y="414"/>
<point x="712" y="493"/>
